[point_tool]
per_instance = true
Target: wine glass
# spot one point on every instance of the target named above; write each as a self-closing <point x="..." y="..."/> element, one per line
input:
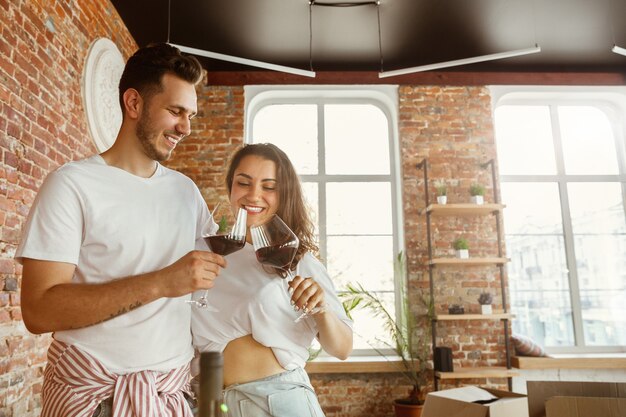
<point x="225" y="245"/>
<point x="276" y="245"/>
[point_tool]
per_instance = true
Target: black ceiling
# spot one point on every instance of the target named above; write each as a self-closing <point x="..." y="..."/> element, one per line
<point x="574" y="35"/>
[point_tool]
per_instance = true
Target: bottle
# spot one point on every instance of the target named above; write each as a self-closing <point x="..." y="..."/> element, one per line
<point x="211" y="382"/>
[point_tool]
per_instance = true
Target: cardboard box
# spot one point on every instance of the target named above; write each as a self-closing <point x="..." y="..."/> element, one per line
<point x="459" y="402"/>
<point x="585" y="407"/>
<point x="574" y="396"/>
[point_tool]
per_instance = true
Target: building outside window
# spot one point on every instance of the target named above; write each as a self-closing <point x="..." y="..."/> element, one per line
<point x="562" y="172"/>
<point x="343" y="143"/>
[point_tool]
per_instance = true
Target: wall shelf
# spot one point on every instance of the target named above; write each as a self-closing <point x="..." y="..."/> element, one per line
<point x="495" y="316"/>
<point x="432" y="211"/>
<point x="462" y="209"/>
<point x="478" y="372"/>
<point x="469" y="261"/>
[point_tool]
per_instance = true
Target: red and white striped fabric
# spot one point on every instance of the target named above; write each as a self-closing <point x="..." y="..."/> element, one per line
<point x="75" y="383"/>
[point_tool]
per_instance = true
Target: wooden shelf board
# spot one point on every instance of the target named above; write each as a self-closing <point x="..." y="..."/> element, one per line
<point x="478" y="372"/>
<point x="574" y="362"/>
<point x="468" y="261"/>
<point x="462" y="209"/>
<point x="495" y="316"/>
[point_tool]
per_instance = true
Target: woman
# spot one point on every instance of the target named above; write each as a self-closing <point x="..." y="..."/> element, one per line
<point x="264" y="349"/>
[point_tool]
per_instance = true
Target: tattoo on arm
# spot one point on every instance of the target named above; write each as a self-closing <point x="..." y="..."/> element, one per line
<point x="122" y="310"/>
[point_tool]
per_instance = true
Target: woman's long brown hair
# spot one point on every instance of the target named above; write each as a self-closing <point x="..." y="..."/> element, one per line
<point x="292" y="207"/>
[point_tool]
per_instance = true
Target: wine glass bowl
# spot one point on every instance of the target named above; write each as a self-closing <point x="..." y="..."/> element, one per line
<point x="275" y="245"/>
<point x="233" y="241"/>
<point x="225" y="245"/>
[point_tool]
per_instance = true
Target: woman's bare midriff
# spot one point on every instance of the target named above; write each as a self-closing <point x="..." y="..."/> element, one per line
<point x="246" y="360"/>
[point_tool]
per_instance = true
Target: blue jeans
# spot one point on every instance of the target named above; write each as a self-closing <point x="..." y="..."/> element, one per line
<point x="288" y="394"/>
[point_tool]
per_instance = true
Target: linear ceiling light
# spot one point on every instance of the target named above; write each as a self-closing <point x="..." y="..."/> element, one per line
<point x="465" y="61"/>
<point x="619" y="50"/>
<point x="244" y="61"/>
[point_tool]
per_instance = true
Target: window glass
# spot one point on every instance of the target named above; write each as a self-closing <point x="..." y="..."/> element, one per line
<point x="588" y="143"/>
<point x="311" y="195"/>
<point x="524" y="135"/>
<point x="600" y="241"/>
<point x="293" y="128"/>
<point x="537" y="273"/>
<point x="565" y="227"/>
<point x="350" y="193"/>
<point x="349" y="128"/>
<point x="359" y="208"/>
<point x="364" y="259"/>
<point x="523" y="216"/>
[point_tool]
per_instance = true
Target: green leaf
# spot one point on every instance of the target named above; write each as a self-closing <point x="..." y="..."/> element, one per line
<point x="223" y="225"/>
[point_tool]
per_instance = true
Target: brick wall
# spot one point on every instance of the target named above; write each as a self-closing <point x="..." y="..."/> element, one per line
<point x="453" y="128"/>
<point x="43" y="45"/>
<point x="42" y="124"/>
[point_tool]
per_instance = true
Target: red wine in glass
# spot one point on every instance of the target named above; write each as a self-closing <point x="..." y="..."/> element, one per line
<point x="275" y="245"/>
<point x="278" y="256"/>
<point x="224" y="244"/>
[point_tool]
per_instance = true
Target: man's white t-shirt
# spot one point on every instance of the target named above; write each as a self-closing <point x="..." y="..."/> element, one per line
<point x="112" y="224"/>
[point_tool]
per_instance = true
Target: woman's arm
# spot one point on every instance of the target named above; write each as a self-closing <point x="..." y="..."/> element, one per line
<point x="334" y="335"/>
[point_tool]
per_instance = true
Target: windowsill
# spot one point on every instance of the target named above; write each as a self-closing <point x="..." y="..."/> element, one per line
<point x="354" y="365"/>
<point x="572" y="361"/>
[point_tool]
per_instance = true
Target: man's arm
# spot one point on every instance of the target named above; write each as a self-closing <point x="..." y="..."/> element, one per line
<point x="51" y="302"/>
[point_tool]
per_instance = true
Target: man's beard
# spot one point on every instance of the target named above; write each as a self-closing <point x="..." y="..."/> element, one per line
<point x="148" y="139"/>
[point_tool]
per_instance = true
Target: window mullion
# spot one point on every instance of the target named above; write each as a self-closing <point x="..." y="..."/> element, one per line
<point x="570" y="252"/>
<point x="321" y="182"/>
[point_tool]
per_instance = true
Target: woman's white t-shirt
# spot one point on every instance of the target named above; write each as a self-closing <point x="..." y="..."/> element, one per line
<point x="251" y="301"/>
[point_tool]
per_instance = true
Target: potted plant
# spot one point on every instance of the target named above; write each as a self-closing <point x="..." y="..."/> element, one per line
<point x="477" y="191"/>
<point x="408" y="344"/>
<point x="462" y="248"/>
<point x="442" y="193"/>
<point x="485" y="299"/>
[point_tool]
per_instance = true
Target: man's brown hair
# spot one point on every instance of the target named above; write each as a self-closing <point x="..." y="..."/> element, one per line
<point x="145" y="69"/>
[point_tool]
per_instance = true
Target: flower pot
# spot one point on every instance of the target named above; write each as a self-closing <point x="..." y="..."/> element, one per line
<point x="442" y="199"/>
<point x="486" y="309"/>
<point x="477" y="199"/>
<point x="462" y="253"/>
<point x="407" y="410"/>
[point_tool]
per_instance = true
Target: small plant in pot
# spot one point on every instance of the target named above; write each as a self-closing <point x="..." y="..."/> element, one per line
<point x="442" y="193"/>
<point x="477" y="192"/>
<point x="485" y="299"/>
<point x="407" y="342"/>
<point x="462" y="248"/>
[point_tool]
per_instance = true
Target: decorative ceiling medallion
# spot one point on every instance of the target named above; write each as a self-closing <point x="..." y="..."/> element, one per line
<point x="101" y="77"/>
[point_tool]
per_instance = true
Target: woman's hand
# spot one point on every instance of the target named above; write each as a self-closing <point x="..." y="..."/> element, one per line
<point x="334" y="335"/>
<point x="306" y="294"/>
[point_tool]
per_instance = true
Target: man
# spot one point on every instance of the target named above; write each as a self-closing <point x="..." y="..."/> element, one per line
<point x="108" y="256"/>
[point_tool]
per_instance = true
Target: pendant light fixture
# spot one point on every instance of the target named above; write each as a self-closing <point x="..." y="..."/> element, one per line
<point x="232" y="58"/>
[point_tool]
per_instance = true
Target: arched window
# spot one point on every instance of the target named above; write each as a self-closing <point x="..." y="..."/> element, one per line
<point x="343" y="143"/>
<point x="563" y="176"/>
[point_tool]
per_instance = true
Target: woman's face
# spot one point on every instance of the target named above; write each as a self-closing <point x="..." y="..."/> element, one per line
<point x="255" y="188"/>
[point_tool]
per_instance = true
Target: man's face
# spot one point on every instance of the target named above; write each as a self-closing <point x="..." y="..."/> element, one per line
<point x="166" y="116"/>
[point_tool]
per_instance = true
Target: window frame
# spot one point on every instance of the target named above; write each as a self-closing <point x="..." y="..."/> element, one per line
<point x="385" y="98"/>
<point x="612" y="102"/>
